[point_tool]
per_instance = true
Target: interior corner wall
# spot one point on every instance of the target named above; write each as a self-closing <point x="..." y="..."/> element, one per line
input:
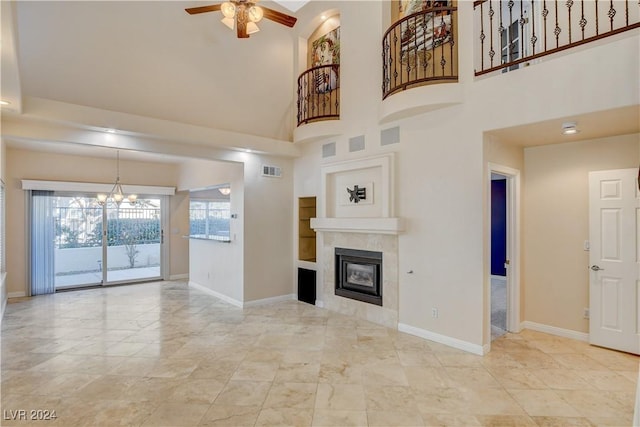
<point x="216" y="265"/>
<point x="39" y="165"/>
<point x="556" y="224"/>
<point x="257" y="264"/>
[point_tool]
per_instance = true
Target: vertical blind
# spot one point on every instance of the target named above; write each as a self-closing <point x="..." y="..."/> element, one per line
<point x="42" y="243"/>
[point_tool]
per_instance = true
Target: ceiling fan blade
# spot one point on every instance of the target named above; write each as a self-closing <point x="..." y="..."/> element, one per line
<point x="279" y="17"/>
<point x="203" y="9"/>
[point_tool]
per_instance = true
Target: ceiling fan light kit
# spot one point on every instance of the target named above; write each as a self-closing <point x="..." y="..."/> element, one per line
<point x="243" y="15"/>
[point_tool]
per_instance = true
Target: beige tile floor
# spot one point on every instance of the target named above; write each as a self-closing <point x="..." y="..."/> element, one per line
<point x="162" y="354"/>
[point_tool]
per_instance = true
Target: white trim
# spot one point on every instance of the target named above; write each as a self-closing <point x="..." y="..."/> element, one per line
<point x="443" y="339"/>
<point x="240" y="304"/>
<point x="513" y="246"/>
<point x="359" y="225"/>
<point x="319" y="303"/>
<point x="309" y="265"/>
<point x="553" y="330"/>
<point x="179" y="276"/>
<point x="215" y="294"/>
<point x="92" y="187"/>
<point x="271" y="300"/>
<point x="16" y="294"/>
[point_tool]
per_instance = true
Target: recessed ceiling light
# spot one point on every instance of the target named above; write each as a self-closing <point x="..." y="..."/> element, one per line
<point x="247" y="150"/>
<point x="3" y="102"/>
<point x="569" y="128"/>
<point x="323" y="17"/>
<point x="110" y="130"/>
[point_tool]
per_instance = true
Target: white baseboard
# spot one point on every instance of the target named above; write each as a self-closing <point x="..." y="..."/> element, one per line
<point x="16" y="295"/>
<point x="232" y="301"/>
<point x="271" y="300"/>
<point x="443" y="339"/>
<point x="553" y="330"/>
<point x="179" y="276"/>
<point x="218" y="295"/>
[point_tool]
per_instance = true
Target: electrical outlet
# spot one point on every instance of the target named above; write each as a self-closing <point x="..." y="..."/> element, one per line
<point x="585" y="313"/>
<point x="434" y="313"/>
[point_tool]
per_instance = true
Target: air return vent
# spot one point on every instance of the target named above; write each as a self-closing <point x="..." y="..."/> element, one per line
<point x="271" y="171"/>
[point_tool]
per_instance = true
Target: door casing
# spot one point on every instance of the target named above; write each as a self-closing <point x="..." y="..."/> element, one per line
<point x="513" y="247"/>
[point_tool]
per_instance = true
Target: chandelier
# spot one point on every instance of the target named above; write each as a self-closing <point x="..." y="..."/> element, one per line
<point x="116" y="194"/>
<point x="241" y="14"/>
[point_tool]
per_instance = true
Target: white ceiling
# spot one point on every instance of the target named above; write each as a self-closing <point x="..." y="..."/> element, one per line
<point x="152" y="59"/>
<point x="600" y="124"/>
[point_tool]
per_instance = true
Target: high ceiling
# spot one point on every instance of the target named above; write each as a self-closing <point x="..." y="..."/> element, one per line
<point x="152" y="59"/>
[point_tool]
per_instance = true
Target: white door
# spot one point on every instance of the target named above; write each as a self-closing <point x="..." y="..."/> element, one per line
<point x="614" y="224"/>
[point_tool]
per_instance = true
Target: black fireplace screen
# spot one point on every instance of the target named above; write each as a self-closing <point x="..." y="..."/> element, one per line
<point x="359" y="275"/>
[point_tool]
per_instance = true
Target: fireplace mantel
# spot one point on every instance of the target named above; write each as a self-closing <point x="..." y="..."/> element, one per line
<point x="358" y="225"/>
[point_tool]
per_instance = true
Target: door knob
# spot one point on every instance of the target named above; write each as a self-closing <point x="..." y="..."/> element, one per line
<point x="596" y="268"/>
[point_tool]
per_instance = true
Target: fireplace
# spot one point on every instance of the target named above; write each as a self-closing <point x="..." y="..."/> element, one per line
<point x="359" y="275"/>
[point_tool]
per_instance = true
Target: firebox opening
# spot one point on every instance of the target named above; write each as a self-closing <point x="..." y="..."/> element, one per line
<point x="359" y="275"/>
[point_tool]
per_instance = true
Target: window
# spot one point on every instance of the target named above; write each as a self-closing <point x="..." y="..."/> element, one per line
<point x="210" y="213"/>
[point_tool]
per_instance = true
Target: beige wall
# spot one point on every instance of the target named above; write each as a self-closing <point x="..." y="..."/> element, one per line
<point x="556" y="224"/>
<point x="23" y="164"/>
<point x="268" y="229"/>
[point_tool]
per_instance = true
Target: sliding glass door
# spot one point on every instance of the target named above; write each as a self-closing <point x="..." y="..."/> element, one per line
<point x="134" y="239"/>
<point x="76" y="242"/>
<point x="77" y="253"/>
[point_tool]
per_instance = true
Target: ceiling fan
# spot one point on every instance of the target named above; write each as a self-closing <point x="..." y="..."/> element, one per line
<point x="243" y="15"/>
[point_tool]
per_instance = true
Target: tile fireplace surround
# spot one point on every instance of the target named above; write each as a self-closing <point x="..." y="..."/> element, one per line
<point x="387" y="314"/>
<point x="369" y="226"/>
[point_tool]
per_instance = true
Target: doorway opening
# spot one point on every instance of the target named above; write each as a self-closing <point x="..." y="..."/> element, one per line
<point x="498" y="255"/>
<point x="504" y="285"/>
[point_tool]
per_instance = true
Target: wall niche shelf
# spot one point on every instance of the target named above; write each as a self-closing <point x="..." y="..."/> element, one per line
<point x="306" y="235"/>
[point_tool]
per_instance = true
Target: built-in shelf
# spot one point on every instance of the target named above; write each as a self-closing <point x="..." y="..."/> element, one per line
<point x="306" y="234"/>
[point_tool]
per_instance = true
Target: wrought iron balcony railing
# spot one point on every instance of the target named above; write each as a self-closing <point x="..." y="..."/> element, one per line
<point x="512" y="33"/>
<point x="319" y="94"/>
<point x="420" y="49"/>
